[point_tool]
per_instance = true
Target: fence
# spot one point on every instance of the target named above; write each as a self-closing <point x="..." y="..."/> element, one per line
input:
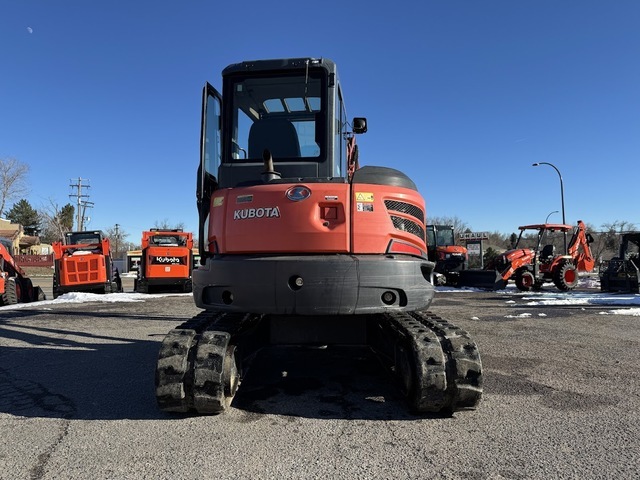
<point x="34" y="260"/>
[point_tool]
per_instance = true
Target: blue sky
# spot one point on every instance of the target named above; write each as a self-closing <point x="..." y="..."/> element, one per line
<point x="463" y="96"/>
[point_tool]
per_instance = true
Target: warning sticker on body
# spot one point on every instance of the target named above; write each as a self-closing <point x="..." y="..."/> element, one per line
<point x="364" y="197"/>
<point x="364" y="207"/>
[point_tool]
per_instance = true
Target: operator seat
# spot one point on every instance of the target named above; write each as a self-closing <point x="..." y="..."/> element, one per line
<point x="277" y="134"/>
<point x="547" y="253"/>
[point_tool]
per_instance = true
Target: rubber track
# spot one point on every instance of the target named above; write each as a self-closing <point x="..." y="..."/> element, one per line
<point x="189" y="372"/>
<point x="440" y="359"/>
<point x="444" y="362"/>
<point x="462" y="360"/>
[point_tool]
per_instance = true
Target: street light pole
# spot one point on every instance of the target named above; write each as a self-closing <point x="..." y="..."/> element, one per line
<point x="564" y="220"/>
<point x="547" y="219"/>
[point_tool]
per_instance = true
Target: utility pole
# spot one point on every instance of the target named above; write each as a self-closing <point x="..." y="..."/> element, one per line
<point x="81" y="204"/>
<point x="85" y="204"/>
<point x="117" y="236"/>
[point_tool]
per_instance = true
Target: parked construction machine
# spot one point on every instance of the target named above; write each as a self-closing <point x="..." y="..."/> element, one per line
<point x="15" y="285"/>
<point x="301" y="246"/>
<point x="450" y="259"/>
<point x="83" y="263"/>
<point x="166" y="261"/>
<point x="532" y="267"/>
<point x="622" y="272"/>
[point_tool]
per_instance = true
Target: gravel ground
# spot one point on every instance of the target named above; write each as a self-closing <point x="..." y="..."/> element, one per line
<point x="561" y="400"/>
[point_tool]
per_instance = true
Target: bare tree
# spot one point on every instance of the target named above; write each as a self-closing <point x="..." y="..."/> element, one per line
<point x="13" y="181"/>
<point x="606" y="242"/>
<point x="165" y="225"/>
<point x="459" y="226"/>
<point x="499" y="241"/>
<point x="117" y="237"/>
<point x="55" y="221"/>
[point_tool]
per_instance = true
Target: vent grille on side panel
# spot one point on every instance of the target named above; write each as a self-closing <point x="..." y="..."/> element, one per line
<point x="406" y="208"/>
<point x="408" y="226"/>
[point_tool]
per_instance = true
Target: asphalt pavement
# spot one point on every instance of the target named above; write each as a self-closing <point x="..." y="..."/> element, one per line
<point x="561" y="400"/>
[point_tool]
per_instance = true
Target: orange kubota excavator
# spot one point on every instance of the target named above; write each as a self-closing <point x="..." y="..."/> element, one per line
<point x="531" y="268"/>
<point x="300" y="245"/>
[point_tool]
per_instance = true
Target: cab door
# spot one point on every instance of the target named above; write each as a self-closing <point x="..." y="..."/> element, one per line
<point x="210" y="157"/>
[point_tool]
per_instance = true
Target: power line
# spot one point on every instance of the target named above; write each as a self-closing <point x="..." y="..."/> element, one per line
<point x="81" y="203"/>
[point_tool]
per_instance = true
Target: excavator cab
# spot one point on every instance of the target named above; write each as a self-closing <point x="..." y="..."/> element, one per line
<point x="281" y="120"/>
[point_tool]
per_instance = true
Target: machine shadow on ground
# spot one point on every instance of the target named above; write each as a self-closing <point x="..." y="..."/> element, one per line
<point x="322" y="382"/>
<point x="72" y="373"/>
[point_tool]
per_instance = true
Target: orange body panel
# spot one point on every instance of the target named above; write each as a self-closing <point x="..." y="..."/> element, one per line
<point x="9" y="264"/>
<point x="261" y="219"/>
<point x="178" y="268"/>
<point x="382" y="223"/>
<point x="9" y="268"/>
<point x="445" y="250"/>
<point x="167" y="261"/>
<point x="83" y="269"/>
<point x="79" y="265"/>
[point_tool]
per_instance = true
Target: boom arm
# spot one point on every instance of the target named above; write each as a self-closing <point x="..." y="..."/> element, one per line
<point x="579" y="248"/>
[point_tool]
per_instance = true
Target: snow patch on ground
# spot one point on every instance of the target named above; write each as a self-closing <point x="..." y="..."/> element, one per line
<point x="634" y="312"/>
<point x="83" y="297"/>
<point x="521" y="315"/>
<point x="587" y="293"/>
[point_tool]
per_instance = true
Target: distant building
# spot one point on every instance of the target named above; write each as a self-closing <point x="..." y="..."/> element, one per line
<point x="22" y="244"/>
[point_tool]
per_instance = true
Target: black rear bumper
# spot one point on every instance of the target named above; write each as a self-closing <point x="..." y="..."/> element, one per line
<point x="314" y="285"/>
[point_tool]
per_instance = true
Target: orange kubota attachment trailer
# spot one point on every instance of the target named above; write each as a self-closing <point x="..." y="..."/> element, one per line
<point x="15" y="286"/>
<point x="167" y="261"/>
<point x="83" y="264"/>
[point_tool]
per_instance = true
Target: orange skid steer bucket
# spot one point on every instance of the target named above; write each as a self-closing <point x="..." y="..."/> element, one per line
<point x="485" y="279"/>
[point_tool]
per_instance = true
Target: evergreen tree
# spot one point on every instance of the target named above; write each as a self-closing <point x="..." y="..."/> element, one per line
<point x="489" y="254"/>
<point x="513" y="239"/>
<point x="24" y="214"/>
<point x="65" y="217"/>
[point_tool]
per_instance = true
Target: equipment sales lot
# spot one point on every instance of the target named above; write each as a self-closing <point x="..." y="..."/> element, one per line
<point x="561" y="400"/>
